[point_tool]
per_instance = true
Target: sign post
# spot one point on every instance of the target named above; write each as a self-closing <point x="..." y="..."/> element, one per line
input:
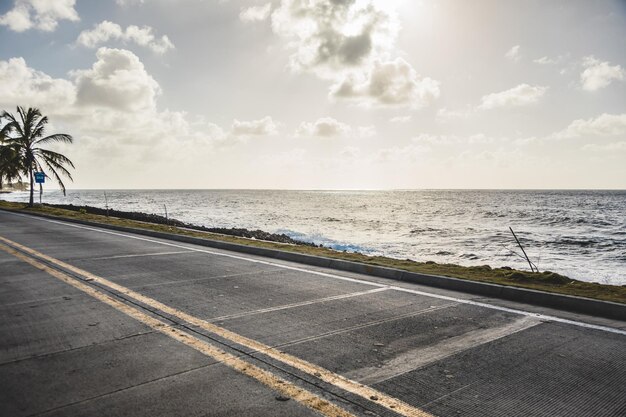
<point x="40" y="178"/>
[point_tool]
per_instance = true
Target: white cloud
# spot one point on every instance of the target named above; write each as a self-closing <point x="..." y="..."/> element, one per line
<point x="349" y="153"/>
<point x="445" y="115"/>
<point x="544" y="60"/>
<point x="331" y="35"/>
<point x="400" y="119"/>
<point x="262" y="127"/>
<point x="391" y="83"/>
<point x="256" y="13"/>
<point x="326" y="127"/>
<point x="40" y="14"/>
<point x="514" y="54"/>
<point x="127" y="2"/>
<point x="106" y="31"/>
<point x="352" y="42"/>
<point x="598" y="74"/>
<point x="118" y="80"/>
<point x="522" y="95"/>
<point x="603" y="125"/>
<point x="19" y="83"/>
<point x="445" y="140"/>
<point x="608" y="147"/>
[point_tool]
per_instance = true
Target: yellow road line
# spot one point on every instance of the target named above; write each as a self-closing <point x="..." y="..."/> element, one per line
<point x="274" y="382"/>
<point x="325" y="375"/>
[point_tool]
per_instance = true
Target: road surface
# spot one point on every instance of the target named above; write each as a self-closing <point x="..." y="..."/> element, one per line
<point x="97" y="322"/>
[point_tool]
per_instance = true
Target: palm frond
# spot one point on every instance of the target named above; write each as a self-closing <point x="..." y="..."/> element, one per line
<point x="55" y="156"/>
<point x="23" y="116"/>
<point x="12" y="124"/>
<point x="57" y="177"/>
<point x="59" y="167"/>
<point x="58" y="137"/>
<point x="42" y="123"/>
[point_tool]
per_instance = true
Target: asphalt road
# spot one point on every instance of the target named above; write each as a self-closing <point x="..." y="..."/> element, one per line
<point x="95" y="322"/>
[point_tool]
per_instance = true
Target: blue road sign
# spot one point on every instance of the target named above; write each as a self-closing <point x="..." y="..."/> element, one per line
<point x="40" y="177"/>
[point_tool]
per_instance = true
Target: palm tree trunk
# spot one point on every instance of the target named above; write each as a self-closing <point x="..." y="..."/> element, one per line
<point x="32" y="187"/>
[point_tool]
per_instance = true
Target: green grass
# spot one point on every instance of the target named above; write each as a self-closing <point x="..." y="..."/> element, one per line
<point x="543" y="281"/>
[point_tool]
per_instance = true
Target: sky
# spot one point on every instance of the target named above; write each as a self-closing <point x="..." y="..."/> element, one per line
<point x="325" y="94"/>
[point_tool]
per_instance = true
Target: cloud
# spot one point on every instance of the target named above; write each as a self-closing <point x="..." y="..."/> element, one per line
<point x="513" y="54"/>
<point x="331" y="35"/>
<point x="128" y="2"/>
<point x="118" y="80"/>
<point x="522" y="95"/>
<point x="324" y="127"/>
<point x="400" y="119"/>
<point x="19" y="83"/>
<point x="608" y="147"/>
<point x="349" y="153"/>
<point x="351" y="43"/>
<point x="445" y="115"/>
<point x="256" y="13"/>
<point x="106" y="31"/>
<point x="544" y="60"/>
<point x="262" y="127"/>
<point x="40" y="14"/>
<point x="597" y="74"/>
<point x="447" y="140"/>
<point x="327" y="127"/>
<point x="390" y="83"/>
<point x="603" y="125"/>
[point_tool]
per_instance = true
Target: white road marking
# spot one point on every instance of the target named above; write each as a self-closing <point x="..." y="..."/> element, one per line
<point x="544" y="317"/>
<point x="418" y="358"/>
<point x="139" y="255"/>
<point x="364" y="325"/>
<point x="294" y="305"/>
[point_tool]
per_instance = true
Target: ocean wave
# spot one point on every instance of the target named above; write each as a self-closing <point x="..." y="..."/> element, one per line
<point x="424" y="230"/>
<point x="319" y="239"/>
<point x="330" y="219"/>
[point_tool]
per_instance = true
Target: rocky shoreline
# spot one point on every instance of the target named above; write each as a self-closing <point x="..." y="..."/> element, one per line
<point x="157" y="219"/>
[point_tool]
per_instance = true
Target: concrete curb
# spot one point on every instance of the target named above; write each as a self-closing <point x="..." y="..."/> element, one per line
<point x="539" y="298"/>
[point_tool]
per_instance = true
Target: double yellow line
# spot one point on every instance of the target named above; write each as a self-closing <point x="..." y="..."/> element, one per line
<point x="274" y="382"/>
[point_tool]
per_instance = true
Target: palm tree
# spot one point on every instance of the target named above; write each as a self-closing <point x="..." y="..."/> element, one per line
<point x="26" y="136"/>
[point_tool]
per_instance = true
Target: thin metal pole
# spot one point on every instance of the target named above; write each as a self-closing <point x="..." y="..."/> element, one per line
<point x="167" y="222"/>
<point x="522" y="248"/>
<point x="106" y="203"/>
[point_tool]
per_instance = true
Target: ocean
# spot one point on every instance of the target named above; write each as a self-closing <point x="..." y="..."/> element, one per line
<point x="581" y="234"/>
